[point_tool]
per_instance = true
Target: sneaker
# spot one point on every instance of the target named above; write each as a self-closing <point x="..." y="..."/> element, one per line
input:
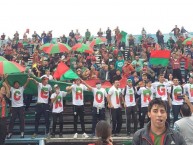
<point x="48" y="136"/>
<point x="34" y="136"/>
<point x="9" y="135"/>
<point x="84" y="135"/>
<point x="53" y="136"/>
<point x="75" y="135"/>
<point x="60" y="135"/>
<point x="22" y="135"/>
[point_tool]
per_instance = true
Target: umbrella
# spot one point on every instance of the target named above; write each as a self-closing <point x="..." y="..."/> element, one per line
<point x="81" y="47"/>
<point x="55" y="48"/>
<point x="8" y="67"/>
<point x="188" y="41"/>
<point x="2" y="58"/>
<point x="98" y="41"/>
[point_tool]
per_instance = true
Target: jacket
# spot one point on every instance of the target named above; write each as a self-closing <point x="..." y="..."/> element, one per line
<point x="141" y="137"/>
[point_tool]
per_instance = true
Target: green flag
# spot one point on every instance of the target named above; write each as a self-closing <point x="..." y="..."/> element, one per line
<point x="124" y="35"/>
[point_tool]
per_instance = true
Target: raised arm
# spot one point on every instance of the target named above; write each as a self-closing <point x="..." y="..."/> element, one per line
<point x="7" y="89"/>
<point x="26" y="83"/>
<point x="88" y="86"/>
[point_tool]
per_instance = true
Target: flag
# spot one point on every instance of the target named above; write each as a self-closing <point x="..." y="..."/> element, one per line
<point x="63" y="72"/>
<point x="159" y="57"/>
<point x="124" y="35"/>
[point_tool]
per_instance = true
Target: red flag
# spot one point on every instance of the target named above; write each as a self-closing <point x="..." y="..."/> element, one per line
<point x="92" y="82"/>
<point x="106" y="84"/>
<point x="60" y="70"/>
<point x="123" y="82"/>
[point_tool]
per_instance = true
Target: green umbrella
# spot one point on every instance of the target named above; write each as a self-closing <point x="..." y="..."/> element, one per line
<point x="98" y="41"/>
<point x="3" y="59"/>
<point x="8" y="67"/>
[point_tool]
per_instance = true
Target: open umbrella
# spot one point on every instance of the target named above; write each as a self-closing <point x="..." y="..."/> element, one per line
<point x="98" y="41"/>
<point x="8" y="67"/>
<point x="55" y="48"/>
<point x="188" y="41"/>
<point x="3" y="59"/>
<point x="81" y="47"/>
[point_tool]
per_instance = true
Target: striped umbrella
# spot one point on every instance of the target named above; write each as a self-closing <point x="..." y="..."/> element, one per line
<point x="8" y="67"/>
<point x="55" y="48"/>
<point x="98" y="41"/>
<point x="81" y="47"/>
<point x="3" y="59"/>
<point x="188" y="41"/>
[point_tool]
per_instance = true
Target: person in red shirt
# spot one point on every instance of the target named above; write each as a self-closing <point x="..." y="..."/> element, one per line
<point x="127" y="68"/>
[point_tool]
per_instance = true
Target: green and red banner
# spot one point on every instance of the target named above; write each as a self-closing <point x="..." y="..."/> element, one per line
<point x="159" y="57"/>
<point x="63" y="72"/>
<point x="50" y="48"/>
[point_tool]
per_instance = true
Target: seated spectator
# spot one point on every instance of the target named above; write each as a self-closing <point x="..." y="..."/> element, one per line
<point x="117" y="75"/>
<point x="86" y="74"/>
<point x="79" y="72"/>
<point x="93" y="73"/>
<point x="127" y="68"/>
<point x="47" y="74"/>
<point x="104" y="73"/>
<point x="112" y="72"/>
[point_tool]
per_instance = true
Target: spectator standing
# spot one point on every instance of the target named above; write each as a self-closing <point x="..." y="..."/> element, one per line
<point x="114" y="103"/>
<point x="108" y="35"/>
<point x="87" y="34"/>
<point x="176" y="31"/>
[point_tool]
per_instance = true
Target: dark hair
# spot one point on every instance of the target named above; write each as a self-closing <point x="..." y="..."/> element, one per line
<point x="103" y="131"/>
<point x="185" y="110"/>
<point x="15" y="82"/>
<point x="157" y="101"/>
<point x="161" y="75"/>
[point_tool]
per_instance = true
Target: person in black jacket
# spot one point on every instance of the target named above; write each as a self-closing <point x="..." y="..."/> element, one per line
<point x="157" y="131"/>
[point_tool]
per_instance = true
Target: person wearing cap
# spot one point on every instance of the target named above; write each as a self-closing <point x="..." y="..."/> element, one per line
<point x="47" y="74"/>
<point x="57" y="109"/>
<point x="138" y="64"/>
<point x="98" y="112"/>
<point x="188" y="89"/>
<point x="17" y="106"/>
<point x="78" y="105"/>
<point x="146" y="95"/>
<point x="129" y="100"/>
<point x="150" y="73"/>
<point x="114" y="103"/>
<point x="42" y="107"/>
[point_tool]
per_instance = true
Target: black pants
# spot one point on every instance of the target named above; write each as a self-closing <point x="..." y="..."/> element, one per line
<point x="177" y="74"/>
<point x="116" y="120"/>
<point x="97" y="116"/>
<point x="55" y="117"/>
<point x="17" y="111"/>
<point x="168" y="111"/>
<point x="3" y="130"/>
<point x="176" y="111"/>
<point x="27" y="100"/>
<point x="79" y="111"/>
<point x="42" y="109"/>
<point x="144" y="111"/>
<point x="131" y="111"/>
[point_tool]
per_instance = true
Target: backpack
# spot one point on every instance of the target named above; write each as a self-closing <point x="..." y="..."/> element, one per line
<point x="126" y="90"/>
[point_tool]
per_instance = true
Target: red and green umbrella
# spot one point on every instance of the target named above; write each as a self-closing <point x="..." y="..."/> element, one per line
<point x="188" y="41"/>
<point x="55" y="48"/>
<point x="98" y="41"/>
<point x="81" y="47"/>
<point x="3" y="59"/>
<point x="9" y="67"/>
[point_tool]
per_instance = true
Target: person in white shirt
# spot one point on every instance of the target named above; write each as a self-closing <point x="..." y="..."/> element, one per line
<point x="176" y="92"/>
<point x="128" y="97"/>
<point x="57" y="109"/>
<point x="188" y="89"/>
<point x="185" y="124"/>
<point x="47" y="74"/>
<point x="98" y="111"/>
<point x="78" y="105"/>
<point x="161" y="88"/>
<point x="17" y="106"/>
<point x="114" y="103"/>
<point x="42" y="107"/>
<point x="146" y="93"/>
